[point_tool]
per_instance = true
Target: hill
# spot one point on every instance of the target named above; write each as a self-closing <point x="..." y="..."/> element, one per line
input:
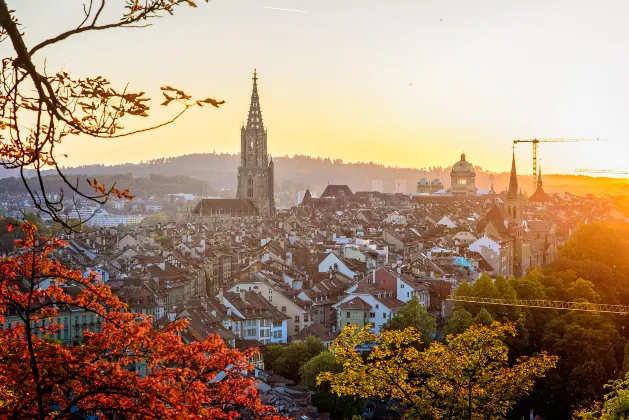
<point x="299" y="172"/>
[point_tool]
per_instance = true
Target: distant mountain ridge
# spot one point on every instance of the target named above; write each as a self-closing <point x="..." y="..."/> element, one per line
<point x="299" y="172"/>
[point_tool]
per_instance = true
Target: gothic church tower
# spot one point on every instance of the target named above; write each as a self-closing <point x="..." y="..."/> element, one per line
<point x="256" y="171"/>
<point x="515" y="209"/>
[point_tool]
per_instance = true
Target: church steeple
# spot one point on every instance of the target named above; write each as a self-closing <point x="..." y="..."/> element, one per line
<point x="256" y="172"/>
<point x="539" y="177"/>
<point x="254" y="120"/>
<point x="512" y="192"/>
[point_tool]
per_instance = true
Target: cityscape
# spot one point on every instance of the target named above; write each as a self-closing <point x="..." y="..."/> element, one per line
<point x="247" y="283"/>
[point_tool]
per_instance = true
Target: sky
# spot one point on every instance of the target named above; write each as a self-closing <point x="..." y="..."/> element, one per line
<point x="410" y="83"/>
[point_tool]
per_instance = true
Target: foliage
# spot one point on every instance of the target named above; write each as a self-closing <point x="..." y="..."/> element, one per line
<point x="288" y="360"/>
<point x="323" y="398"/>
<point x="38" y="109"/>
<point x="459" y="322"/>
<point x="592" y="266"/>
<point x="483" y="318"/>
<point x="615" y="406"/>
<point x="468" y="376"/>
<point x="155" y="219"/>
<point x="415" y="315"/>
<point x="99" y="377"/>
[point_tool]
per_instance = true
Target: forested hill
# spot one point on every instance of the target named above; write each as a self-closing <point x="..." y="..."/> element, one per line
<point x="300" y="172"/>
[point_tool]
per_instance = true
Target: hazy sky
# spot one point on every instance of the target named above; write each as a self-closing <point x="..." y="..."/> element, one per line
<point x="400" y="82"/>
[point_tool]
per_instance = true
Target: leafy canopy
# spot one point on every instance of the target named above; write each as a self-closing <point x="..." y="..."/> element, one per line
<point x="469" y="376"/>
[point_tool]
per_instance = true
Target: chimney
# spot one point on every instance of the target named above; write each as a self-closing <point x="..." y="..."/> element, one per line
<point x="373" y="276"/>
<point x="243" y="295"/>
<point x="220" y="295"/>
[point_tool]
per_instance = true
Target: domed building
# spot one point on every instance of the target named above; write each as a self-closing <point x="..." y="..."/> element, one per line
<point x="436" y="184"/>
<point x="425" y="186"/>
<point x="463" y="178"/>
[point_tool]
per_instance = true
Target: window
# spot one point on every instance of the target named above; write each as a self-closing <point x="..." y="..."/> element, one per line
<point x="402" y="286"/>
<point x="408" y="294"/>
<point x="250" y="185"/>
<point x="377" y="306"/>
<point x="305" y="317"/>
<point x="277" y="324"/>
<point x="270" y="298"/>
<point x="265" y="333"/>
<point x="296" y="328"/>
<point x="297" y="318"/>
<point x="372" y="315"/>
<point x="347" y="323"/>
<point x="372" y="325"/>
<point x="250" y="331"/>
<point x="349" y="315"/>
<point x="384" y="315"/>
<point x="283" y="308"/>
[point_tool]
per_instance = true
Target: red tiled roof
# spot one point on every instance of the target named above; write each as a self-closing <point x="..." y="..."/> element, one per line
<point x="355" y="303"/>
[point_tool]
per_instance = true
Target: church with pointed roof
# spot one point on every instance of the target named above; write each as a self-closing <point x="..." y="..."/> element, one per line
<point x="256" y="171"/>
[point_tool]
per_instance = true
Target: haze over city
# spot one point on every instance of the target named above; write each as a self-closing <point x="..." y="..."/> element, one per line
<point x="405" y="83"/>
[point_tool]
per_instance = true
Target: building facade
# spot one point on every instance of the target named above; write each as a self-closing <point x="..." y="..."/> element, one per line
<point x="256" y="171"/>
<point x="463" y="178"/>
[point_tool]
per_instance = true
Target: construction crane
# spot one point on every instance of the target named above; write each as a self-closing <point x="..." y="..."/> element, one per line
<point x="546" y="304"/>
<point x="603" y="171"/>
<point x="535" y="142"/>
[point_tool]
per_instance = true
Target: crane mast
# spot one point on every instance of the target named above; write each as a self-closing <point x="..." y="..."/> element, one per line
<point x="535" y="142"/>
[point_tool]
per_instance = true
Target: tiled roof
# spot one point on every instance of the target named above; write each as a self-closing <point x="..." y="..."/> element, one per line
<point x="225" y="206"/>
<point x="355" y="303"/>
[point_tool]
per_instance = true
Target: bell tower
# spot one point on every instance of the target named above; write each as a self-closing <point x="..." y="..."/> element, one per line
<point x="256" y="172"/>
<point x="514" y="206"/>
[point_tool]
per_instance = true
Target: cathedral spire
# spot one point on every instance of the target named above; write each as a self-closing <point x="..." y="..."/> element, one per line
<point x="254" y="120"/>
<point x="512" y="192"/>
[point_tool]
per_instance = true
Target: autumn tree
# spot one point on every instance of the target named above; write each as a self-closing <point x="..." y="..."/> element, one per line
<point x="40" y="107"/>
<point x="42" y="378"/>
<point x="467" y="377"/>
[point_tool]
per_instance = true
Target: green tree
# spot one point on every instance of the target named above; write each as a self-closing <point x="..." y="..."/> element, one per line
<point x="314" y="346"/>
<point x="484" y="287"/>
<point x="415" y="315"/>
<point x="323" y="398"/>
<point x="291" y="360"/>
<point x="154" y="219"/>
<point x="483" y="317"/>
<point x="458" y="323"/>
<point x="581" y="290"/>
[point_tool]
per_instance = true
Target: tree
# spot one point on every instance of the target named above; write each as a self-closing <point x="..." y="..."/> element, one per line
<point x="38" y="109"/>
<point x="323" y="398"/>
<point x="415" y="315"/>
<point x="483" y="317"/>
<point x="154" y="219"/>
<point x="459" y="322"/>
<point x="291" y="360"/>
<point x="41" y="378"/>
<point x="314" y="346"/>
<point x="467" y="377"/>
<point x="615" y="406"/>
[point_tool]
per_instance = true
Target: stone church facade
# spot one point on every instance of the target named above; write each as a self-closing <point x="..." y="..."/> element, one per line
<point x="256" y="171"/>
